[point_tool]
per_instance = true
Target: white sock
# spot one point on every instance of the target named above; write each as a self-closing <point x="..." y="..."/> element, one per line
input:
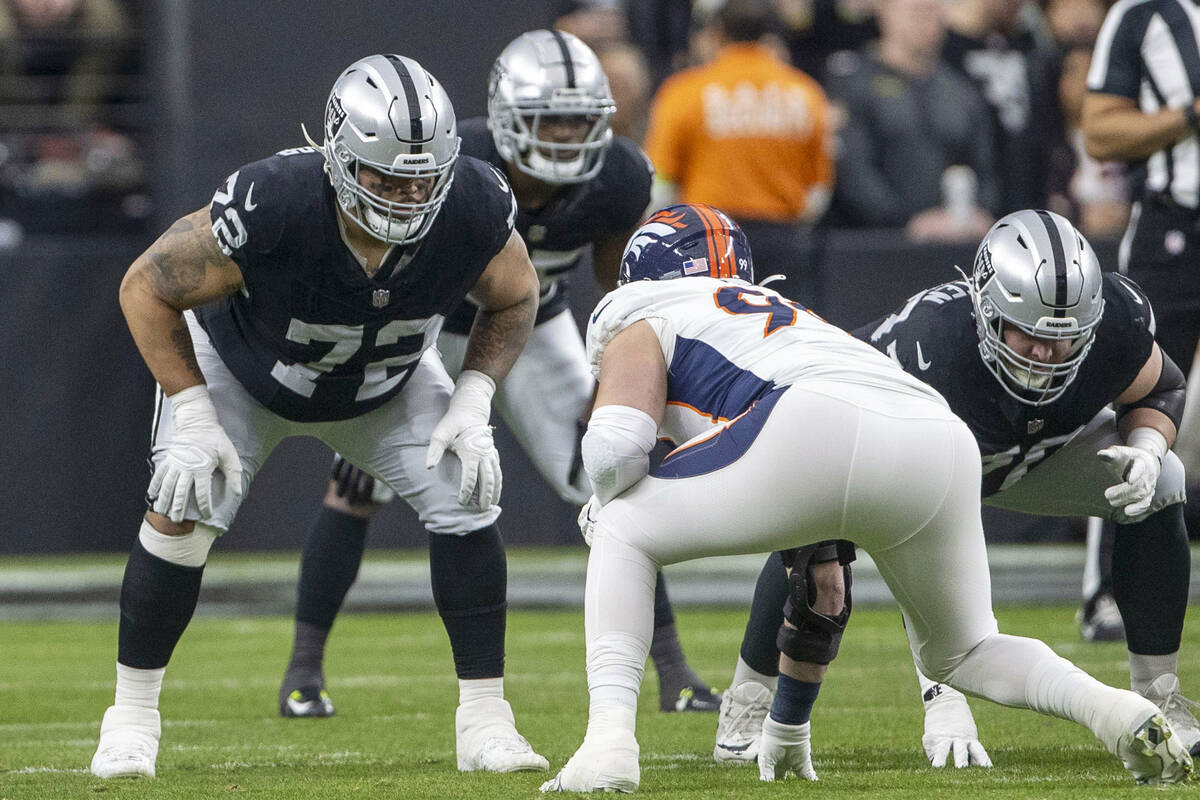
<point x="479" y="688"/>
<point x="138" y="687"/>
<point x="1144" y="669"/>
<point x="602" y="719"/>
<point x="743" y="672"/>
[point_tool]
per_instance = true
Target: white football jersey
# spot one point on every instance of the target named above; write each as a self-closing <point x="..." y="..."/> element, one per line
<point x="727" y="342"/>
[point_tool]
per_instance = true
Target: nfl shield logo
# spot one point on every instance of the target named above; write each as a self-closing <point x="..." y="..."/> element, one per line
<point x="380" y="297"/>
<point x="1034" y="425"/>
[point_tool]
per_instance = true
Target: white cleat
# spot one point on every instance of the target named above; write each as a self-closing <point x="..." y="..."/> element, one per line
<point x="1153" y="754"/>
<point x="486" y="739"/>
<point x="1164" y="693"/>
<point x="605" y="762"/>
<point x="128" y="742"/>
<point x="739" y="726"/>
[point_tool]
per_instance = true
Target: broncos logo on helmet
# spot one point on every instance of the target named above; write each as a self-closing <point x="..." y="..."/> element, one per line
<point x="687" y="239"/>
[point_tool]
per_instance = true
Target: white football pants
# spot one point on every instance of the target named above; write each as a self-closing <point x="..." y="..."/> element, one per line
<point x="898" y="475"/>
<point x="388" y="442"/>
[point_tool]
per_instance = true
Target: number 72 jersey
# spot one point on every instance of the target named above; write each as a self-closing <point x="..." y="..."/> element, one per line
<point x="728" y="343"/>
<point x="313" y="337"/>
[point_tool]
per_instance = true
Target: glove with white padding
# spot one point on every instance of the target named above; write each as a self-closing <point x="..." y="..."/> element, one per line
<point x="1138" y="464"/>
<point x="785" y="748"/>
<point x="587" y="518"/>
<point x="199" y="448"/>
<point x="950" y="728"/>
<point x="464" y="430"/>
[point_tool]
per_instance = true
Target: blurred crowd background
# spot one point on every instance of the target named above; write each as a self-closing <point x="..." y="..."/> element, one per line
<point x="930" y="119"/>
<point x="80" y="120"/>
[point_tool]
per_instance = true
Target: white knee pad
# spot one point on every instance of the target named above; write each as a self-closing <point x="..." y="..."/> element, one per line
<point x="187" y="550"/>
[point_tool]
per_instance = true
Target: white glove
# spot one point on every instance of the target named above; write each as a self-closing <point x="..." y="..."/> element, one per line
<point x="949" y="726"/>
<point x="1138" y="464"/>
<point x="200" y="447"/>
<point x="464" y="429"/>
<point x="785" y="748"/>
<point x="587" y="518"/>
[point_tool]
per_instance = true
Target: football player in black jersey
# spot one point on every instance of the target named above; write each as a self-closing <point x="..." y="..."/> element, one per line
<point x="577" y="185"/>
<point x="305" y="300"/>
<point x="1030" y="351"/>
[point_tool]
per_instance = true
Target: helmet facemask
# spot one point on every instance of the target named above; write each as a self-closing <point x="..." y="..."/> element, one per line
<point x="395" y="222"/>
<point x="1031" y="381"/>
<point x="1034" y="273"/>
<point x="543" y="80"/>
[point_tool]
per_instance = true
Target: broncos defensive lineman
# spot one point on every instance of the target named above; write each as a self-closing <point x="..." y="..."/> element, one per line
<point x="305" y="300"/>
<point x="577" y="186"/>
<point x="1030" y="351"/>
<point x="790" y="431"/>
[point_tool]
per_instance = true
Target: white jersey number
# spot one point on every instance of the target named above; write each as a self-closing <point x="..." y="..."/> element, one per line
<point x="346" y="340"/>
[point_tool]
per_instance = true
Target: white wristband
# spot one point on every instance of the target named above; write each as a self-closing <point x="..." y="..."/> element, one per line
<point x="1148" y="439"/>
<point x="193" y="404"/>
<point x="473" y="391"/>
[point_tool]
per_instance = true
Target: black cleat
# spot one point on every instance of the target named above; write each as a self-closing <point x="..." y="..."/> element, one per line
<point x="309" y="701"/>
<point x="1100" y="621"/>
<point x="692" y="698"/>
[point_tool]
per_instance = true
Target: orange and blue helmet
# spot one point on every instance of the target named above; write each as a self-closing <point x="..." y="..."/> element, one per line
<point x="683" y="240"/>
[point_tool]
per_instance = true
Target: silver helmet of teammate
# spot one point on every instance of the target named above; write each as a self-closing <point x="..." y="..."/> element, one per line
<point x="1035" y="273"/>
<point x="387" y="114"/>
<point x="549" y="107"/>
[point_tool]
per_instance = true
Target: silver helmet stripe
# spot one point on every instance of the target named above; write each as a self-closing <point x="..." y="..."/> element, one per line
<point x="416" y="129"/>
<point x="1060" y="263"/>
<point x="568" y="62"/>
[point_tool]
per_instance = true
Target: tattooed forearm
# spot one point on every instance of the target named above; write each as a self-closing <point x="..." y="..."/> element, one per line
<point x="181" y="341"/>
<point x="498" y="337"/>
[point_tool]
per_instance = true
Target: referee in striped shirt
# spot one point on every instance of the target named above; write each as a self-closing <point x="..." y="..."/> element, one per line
<point x="1142" y="108"/>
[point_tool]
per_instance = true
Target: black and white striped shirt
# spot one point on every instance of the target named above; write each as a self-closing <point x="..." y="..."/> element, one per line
<point x="1147" y="51"/>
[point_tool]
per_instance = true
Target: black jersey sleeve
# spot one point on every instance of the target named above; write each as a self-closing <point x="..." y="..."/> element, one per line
<point x="1125" y="336"/>
<point x="482" y="192"/>
<point x="627" y="177"/>
<point x="251" y="208"/>
<point x="923" y="335"/>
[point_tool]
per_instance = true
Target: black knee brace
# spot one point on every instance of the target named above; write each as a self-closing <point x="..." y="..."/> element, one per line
<point x="816" y="637"/>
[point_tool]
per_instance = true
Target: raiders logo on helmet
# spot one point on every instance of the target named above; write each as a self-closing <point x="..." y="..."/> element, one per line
<point x="984" y="271"/>
<point x="335" y="115"/>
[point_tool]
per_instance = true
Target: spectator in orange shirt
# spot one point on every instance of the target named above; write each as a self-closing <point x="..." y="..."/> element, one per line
<point x="749" y="134"/>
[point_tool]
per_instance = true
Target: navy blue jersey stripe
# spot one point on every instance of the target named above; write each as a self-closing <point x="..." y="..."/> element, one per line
<point x="725" y="447"/>
<point x="568" y="64"/>
<point x="1060" y="263"/>
<point x="701" y="377"/>
<point x="416" y="129"/>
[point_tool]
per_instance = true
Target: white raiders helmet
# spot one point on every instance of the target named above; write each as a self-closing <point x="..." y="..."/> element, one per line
<point x="1034" y="271"/>
<point x="544" y="76"/>
<point x="387" y="113"/>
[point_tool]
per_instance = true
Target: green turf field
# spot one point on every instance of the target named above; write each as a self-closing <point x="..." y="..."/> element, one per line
<point x="391" y="678"/>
